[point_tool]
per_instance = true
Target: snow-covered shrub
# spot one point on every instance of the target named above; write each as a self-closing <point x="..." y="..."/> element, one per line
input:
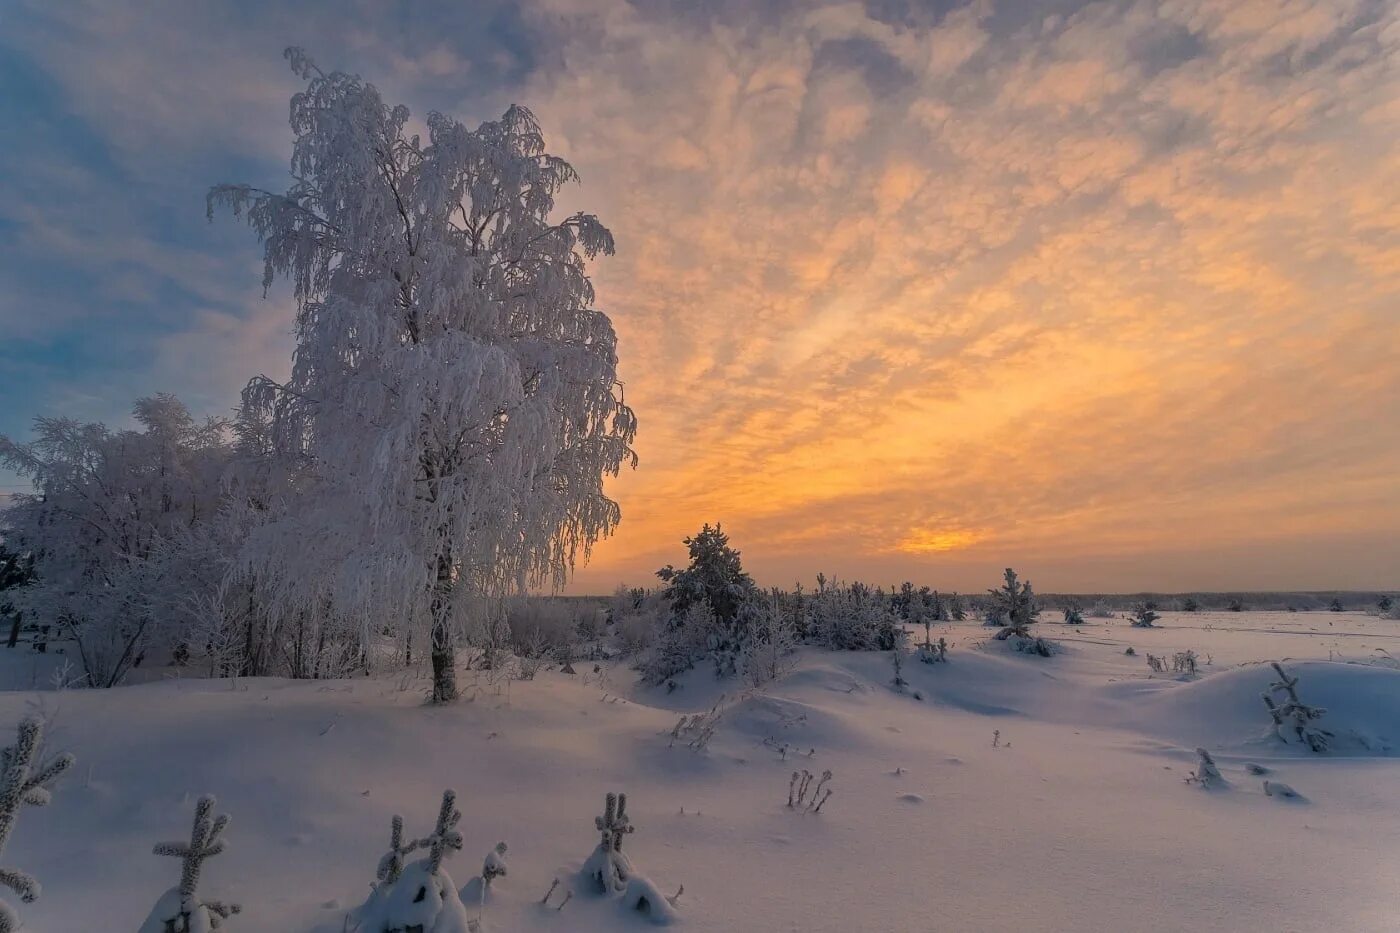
<point x="420" y="895"/>
<point x="1100" y="610"/>
<point x="851" y="618"/>
<point x="1280" y="789"/>
<point x="538" y="622"/>
<point x="494" y="865"/>
<point x="637" y="626"/>
<point x="105" y="501"/>
<point x="24" y="779"/>
<point x="696" y="729"/>
<point x="770" y="646"/>
<point x="1184" y="662"/>
<point x="181" y="909"/>
<point x="1206" y="773"/>
<point x="680" y="643"/>
<point x="1073" y="614"/>
<point x="608" y="867"/>
<point x="933" y="652"/>
<point x="1293" y="715"/>
<point x="897" y="660"/>
<point x="1013" y="606"/>
<point x="1189" y="604"/>
<point x="1235" y="605"/>
<point x="1144" y="616"/>
<point x="1335" y="605"/>
<point x="954" y="607"/>
<point x="1158" y="665"/>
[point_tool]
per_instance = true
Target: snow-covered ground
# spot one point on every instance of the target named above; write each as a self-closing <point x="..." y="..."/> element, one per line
<point x="1078" y="819"/>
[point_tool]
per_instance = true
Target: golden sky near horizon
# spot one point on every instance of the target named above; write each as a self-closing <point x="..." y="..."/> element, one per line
<point x="1112" y="296"/>
<point x="905" y="289"/>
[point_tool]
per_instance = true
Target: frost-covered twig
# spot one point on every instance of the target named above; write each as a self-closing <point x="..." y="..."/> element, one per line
<point x="24" y="781"/>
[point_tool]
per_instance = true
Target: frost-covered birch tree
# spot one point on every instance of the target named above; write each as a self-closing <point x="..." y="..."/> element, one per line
<point x="453" y="404"/>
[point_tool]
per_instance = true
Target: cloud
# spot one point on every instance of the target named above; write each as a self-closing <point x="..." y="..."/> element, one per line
<point x="902" y="292"/>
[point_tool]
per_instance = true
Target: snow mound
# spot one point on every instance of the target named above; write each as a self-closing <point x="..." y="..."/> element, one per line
<point x="645" y="898"/>
<point x="1225" y="710"/>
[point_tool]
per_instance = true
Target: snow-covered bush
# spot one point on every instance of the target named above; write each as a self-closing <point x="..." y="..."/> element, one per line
<point x="1189" y="604"/>
<point x="1073" y="614"/>
<point x="770" y="646"/>
<point x="181" y="909"/>
<point x="638" y="622"/>
<point x="1100" y="610"/>
<point x="105" y="502"/>
<point x="539" y="623"/>
<point x="851" y="618"/>
<point x="1184" y="662"/>
<point x="420" y="895"/>
<point x="680" y="643"/>
<point x="1144" y="616"/>
<point x="1335" y="605"/>
<point x="1206" y="773"/>
<point x="1293" y="715"/>
<point x="608" y="868"/>
<point x="453" y="404"/>
<point x="24" y="779"/>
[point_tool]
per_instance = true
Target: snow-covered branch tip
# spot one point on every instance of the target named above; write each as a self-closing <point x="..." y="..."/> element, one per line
<point x="24" y="779"/>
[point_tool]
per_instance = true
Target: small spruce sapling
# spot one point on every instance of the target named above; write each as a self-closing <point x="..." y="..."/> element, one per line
<point x="609" y="866"/>
<point x="420" y="895"/>
<point x="181" y="909"/>
<point x="1143" y="616"/>
<point x="1073" y="614"/>
<point x="391" y="865"/>
<point x="24" y="780"/>
<point x="897" y="660"/>
<point x="1206" y="773"/>
<point x="1293" y="714"/>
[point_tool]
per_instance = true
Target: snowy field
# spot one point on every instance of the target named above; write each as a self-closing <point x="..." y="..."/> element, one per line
<point x="1077" y="818"/>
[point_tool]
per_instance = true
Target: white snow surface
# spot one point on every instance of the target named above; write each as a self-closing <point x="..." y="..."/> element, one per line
<point x="1080" y="820"/>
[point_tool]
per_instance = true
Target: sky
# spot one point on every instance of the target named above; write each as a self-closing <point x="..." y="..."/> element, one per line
<point x="1108" y="292"/>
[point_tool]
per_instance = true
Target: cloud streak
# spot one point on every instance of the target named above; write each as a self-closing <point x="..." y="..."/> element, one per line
<point x="902" y="292"/>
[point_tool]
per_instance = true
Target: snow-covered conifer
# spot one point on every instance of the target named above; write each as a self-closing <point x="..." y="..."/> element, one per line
<point x="1293" y="715"/>
<point x="608" y="866"/>
<point x="453" y="404"/>
<point x="181" y="909"/>
<point x="1206" y="773"/>
<point x="1013" y="605"/>
<point x="1073" y="614"/>
<point x="24" y="779"/>
<point x="1144" y="616"/>
<point x="421" y="895"/>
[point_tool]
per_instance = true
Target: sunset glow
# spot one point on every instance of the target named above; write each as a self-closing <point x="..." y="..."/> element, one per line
<point x="1109" y="293"/>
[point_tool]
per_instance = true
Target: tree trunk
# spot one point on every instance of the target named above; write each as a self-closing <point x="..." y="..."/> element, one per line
<point x="443" y="653"/>
<point x="14" y="629"/>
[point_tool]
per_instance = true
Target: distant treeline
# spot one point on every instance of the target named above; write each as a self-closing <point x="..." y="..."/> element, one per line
<point x="1308" y="601"/>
